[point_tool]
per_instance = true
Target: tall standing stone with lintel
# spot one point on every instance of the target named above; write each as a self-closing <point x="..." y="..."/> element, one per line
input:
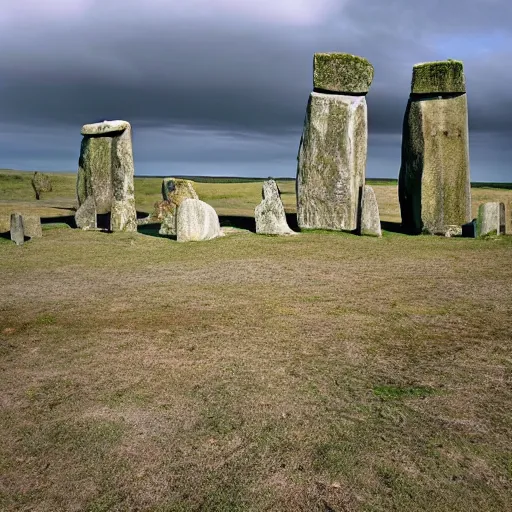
<point x="105" y="176"/>
<point x="332" y="154"/>
<point x="434" y="182"/>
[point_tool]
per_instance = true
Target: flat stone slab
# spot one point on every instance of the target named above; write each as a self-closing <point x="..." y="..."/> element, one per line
<point x="370" y="218"/>
<point x="488" y="220"/>
<point x="104" y="128"/>
<point x="445" y="76"/>
<point x="342" y="72"/>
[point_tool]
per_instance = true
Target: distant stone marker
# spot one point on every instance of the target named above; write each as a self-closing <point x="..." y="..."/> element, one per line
<point x="370" y="218"/>
<point x="196" y="221"/>
<point x="41" y="183"/>
<point x="105" y="176"/>
<point x="434" y="181"/>
<point x="332" y="154"/>
<point x="17" y="231"/>
<point x="488" y="221"/>
<point x="269" y="214"/>
<point x="174" y="191"/>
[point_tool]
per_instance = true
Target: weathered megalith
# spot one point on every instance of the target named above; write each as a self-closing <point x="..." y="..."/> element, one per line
<point x="269" y="214"/>
<point x="17" y="231"/>
<point x="32" y="226"/>
<point x="434" y="184"/>
<point x="196" y="221"/>
<point x="105" y="176"/>
<point x="488" y="221"/>
<point x="332" y="154"/>
<point x="174" y="191"/>
<point x="370" y="218"/>
<point x="41" y="183"/>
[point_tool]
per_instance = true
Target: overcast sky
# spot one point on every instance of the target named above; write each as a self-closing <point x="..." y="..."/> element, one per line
<point x="220" y="87"/>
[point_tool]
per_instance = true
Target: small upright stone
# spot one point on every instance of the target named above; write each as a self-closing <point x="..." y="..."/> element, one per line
<point x="32" y="226"/>
<point x="269" y="214"/>
<point x="174" y="191"/>
<point x="196" y="221"/>
<point x="370" y="218"/>
<point x="434" y="182"/>
<point x="488" y="220"/>
<point x="41" y="183"/>
<point x="17" y="231"/>
<point x="105" y="176"/>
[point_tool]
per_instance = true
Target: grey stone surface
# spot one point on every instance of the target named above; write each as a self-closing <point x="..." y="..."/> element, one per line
<point x="105" y="174"/>
<point x="174" y="191"/>
<point x="85" y="217"/>
<point x="41" y="183"/>
<point x="17" y="231"/>
<point x="488" y="220"/>
<point x="196" y="221"/>
<point x="434" y="181"/>
<point x="331" y="162"/>
<point x="269" y="214"/>
<point x="370" y="218"/>
<point x="32" y="226"/>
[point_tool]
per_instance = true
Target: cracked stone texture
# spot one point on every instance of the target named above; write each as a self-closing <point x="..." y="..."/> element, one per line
<point x="269" y="214"/>
<point x="331" y="162"/>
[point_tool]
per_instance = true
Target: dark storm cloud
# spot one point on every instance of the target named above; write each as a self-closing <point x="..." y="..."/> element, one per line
<point x="244" y="71"/>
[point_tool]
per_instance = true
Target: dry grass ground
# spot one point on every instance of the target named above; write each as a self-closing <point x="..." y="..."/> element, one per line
<point x="320" y="372"/>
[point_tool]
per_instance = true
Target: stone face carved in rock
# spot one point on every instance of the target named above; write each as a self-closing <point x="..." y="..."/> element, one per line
<point x="17" y="230"/>
<point x="488" y="221"/>
<point x="269" y="214"/>
<point x="196" y="221"/>
<point x="332" y="154"/>
<point x="105" y="176"/>
<point x="370" y="218"/>
<point x="434" y="181"/>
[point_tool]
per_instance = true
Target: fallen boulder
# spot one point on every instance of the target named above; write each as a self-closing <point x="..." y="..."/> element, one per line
<point x="196" y="221"/>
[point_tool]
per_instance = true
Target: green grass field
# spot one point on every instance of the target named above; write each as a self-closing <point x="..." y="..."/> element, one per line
<point x="322" y="372"/>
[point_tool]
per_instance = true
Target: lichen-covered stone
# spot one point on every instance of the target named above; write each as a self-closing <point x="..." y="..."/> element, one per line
<point x="86" y="215"/>
<point x="488" y="220"/>
<point x="434" y="180"/>
<point x="32" y="226"/>
<point x="331" y="162"/>
<point x="269" y="214"/>
<point x="17" y="230"/>
<point x="41" y="183"/>
<point x="175" y="190"/>
<point x="105" y="174"/>
<point x="342" y="72"/>
<point x="196" y="221"/>
<point x="165" y="213"/>
<point x="446" y="76"/>
<point x="370" y="218"/>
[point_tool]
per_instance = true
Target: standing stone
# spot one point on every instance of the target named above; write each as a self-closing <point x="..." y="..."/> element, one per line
<point x="196" y="221"/>
<point x="17" y="231"/>
<point x="332" y="154"/>
<point x="434" y="182"/>
<point x="503" y="219"/>
<point x="174" y="191"/>
<point x="32" y="226"/>
<point x="370" y="218"/>
<point x="105" y="176"/>
<point x="41" y="183"/>
<point x="488" y="220"/>
<point x="269" y="214"/>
